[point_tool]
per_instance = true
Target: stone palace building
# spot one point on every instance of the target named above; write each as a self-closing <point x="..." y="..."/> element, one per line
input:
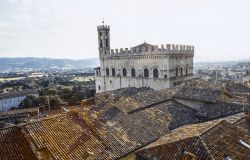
<point x="145" y="65"/>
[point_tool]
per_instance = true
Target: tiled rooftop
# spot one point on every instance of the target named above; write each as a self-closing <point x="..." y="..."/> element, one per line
<point x="237" y="88"/>
<point x="128" y="119"/>
<point x="208" y="140"/>
<point x="199" y="94"/>
<point x="14" y="146"/>
<point x="221" y="109"/>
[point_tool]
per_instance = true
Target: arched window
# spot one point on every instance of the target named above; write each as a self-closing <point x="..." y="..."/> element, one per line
<point x="155" y="73"/>
<point x="176" y="72"/>
<point x="133" y="72"/>
<point x="124" y="72"/>
<point x="107" y="71"/>
<point x="146" y="73"/>
<point x="181" y="71"/>
<point x="187" y="70"/>
<point x="113" y="72"/>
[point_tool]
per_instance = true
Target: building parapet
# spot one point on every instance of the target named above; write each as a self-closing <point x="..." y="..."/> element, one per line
<point x="162" y="49"/>
<point x="103" y="27"/>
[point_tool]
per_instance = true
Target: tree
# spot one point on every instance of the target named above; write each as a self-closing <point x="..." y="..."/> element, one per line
<point x="55" y="101"/>
<point x="30" y="101"/>
<point x="44" y="100"/>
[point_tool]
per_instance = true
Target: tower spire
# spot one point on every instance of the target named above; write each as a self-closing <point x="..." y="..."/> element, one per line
<point x="103" y="38"/>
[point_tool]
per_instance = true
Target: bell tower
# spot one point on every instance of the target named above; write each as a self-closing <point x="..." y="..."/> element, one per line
<point x="103" y="39"/>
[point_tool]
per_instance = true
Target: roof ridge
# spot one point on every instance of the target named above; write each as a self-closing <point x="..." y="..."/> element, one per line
<point x="49" y="118"/>
<point x="17" y="126"/>
<point x="214" y="125"/>
<point x="150" y="105"/>
<point x="174" y="99"/>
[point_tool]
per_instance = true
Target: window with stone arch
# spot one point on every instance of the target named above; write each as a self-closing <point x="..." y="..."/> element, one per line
<point x="146" y="73"/>
<point x="107" y="71"/>
<point x="133" y="72"/>
<point x="155" y="73"/>
<point x="181" y="71"/>
<point x="124" y="72"/>
<point x="113" y="72"/>
<point x="176" y="71"/>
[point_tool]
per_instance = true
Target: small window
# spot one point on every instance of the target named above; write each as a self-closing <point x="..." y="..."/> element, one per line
<point x="165" y="76"/>
<point x="107" y="71"/>
<point x="181" y="71"/>
<point x="155" y="73"/>
<point x="107" y="42"/>
<point x="99" y="87"/>
<point x="176" y="72"/>
<point x="133" y="72"/>
<point x="100" y="44"/>
<point x="113" y="72"/>
<point x="187" y="70"/>
<point x="146" y="73"/>
<point x="110" y="82"/>
<point x="124" y="72"/>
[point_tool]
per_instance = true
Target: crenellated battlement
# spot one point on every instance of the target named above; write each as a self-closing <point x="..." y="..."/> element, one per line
<point x="154" y="49"/>
<point x="103" y="27"/>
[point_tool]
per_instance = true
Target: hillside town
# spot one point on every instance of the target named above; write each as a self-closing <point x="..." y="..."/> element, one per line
<point x="160" y="115"/>
<point x="74" y="87"/>
<point x="44" y="93"/>
<point x="235" y="71"/>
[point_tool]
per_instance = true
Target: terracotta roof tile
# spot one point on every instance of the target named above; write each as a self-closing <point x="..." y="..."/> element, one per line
<point x="209" y="140"/>
<point x="14" y="146"/>
<point x="199" y="94"/>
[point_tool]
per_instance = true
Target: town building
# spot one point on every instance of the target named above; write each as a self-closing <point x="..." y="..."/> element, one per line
<point x="13" y="99"/>
<point x="144" y="65"/>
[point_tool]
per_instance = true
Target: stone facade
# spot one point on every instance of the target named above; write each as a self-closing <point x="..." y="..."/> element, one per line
<point x="145" y="65"/>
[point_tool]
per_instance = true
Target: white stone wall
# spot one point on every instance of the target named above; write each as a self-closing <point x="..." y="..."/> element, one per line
<point x="138" y="63"/>
<point x="166" y="65"/>
<point x="112" y="83"/>
<point x="6" y="104"/>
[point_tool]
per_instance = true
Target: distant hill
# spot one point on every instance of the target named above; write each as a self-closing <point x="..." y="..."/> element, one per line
<point x="8" y="64"/>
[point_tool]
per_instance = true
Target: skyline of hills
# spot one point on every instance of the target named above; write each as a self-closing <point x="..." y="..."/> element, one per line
<point x="33" y="63"/>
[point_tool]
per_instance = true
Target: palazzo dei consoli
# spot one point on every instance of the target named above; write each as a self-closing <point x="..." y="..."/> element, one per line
<point x="144" y="65"/>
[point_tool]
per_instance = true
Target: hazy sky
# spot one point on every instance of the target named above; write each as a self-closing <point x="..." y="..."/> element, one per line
<point x="219" y="29"/>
